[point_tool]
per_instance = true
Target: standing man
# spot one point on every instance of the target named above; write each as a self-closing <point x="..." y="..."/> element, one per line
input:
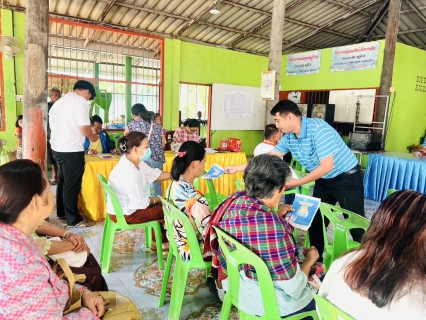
<point x="70" y="124"/>
<point x="332" y="165"/>
<point x="54" y="94"/>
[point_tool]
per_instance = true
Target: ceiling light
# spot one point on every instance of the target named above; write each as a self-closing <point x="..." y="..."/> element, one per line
<point x="214" y="11"/>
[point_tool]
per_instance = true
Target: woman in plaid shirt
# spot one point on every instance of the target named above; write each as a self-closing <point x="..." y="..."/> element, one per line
<point x="248" y="217"/>
<point x="189" y="132"/>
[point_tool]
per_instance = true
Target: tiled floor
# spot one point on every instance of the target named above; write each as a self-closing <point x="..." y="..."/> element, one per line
<point x="130" y="254"/>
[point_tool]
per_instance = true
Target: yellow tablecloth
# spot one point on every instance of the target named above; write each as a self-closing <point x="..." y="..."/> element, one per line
<point x="90" y="200"/>
<point x="224" y="184"/>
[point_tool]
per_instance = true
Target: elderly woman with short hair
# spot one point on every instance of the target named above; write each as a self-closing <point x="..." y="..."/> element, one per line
<point x="248" y="216"/>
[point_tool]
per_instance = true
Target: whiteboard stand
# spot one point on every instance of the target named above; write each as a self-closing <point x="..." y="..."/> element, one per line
<point x="383" y="128"/>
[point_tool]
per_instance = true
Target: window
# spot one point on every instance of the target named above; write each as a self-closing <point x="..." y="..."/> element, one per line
<point x="124" y="67"/>
<point x="194" y="98"/>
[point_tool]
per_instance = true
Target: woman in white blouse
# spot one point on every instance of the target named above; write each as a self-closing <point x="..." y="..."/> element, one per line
<point x="385" y="277"/>
<point x="130" y="180"/>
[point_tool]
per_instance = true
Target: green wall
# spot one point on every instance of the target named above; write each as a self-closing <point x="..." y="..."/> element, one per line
<point x="13" y="24"/>
<point x="333" y="80"/>
<point x="188" y="62"/>
<point x="408" y="122"/>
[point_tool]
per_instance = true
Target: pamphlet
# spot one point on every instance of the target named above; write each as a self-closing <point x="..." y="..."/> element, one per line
<point x="210" y="150"/>
<point x="294" y="174"/>
<point x="105" y="156"/>
<point x="305" y="208"/>
<point x="214" y="172"/>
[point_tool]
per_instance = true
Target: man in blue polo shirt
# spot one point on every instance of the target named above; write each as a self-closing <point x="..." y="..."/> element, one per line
<point x="332" y="165"/>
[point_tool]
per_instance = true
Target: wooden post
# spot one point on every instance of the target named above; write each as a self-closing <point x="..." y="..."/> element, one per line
<point x="35" y="81"/>
<point x="275" y="53"/>
<point x="388" y="57"/>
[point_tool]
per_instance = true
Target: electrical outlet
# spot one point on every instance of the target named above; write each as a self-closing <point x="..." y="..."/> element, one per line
<point x="19" y="97"/>
<point x="391" y="89"/>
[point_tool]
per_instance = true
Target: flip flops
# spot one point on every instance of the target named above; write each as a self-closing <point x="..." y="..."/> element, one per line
<point x="82" y="224"/>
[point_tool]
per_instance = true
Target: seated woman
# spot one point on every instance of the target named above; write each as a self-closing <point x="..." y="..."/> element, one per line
<point x="189" y="132"/>
<point x="385" y="277"/>
<point x="188" y="165"/>
<point x="29" y="289"/>
<point x="143" y="122"/>
<point x="74" y="250"/>
<point x="130" y="180"/>
<point x="103" y="144"/>
<point x="248" y="216"/>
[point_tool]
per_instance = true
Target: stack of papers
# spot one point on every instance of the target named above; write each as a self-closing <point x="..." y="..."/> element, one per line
<point x="210" y="150"/>
<point x="305" y="208"/>
<point x="105" y="156"/>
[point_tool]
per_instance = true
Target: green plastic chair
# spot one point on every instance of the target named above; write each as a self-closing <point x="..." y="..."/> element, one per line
<point x="341" y="229"/>
<point x="306" y="188"/>
<point x="111" y="228"/>
<point x="212" y="197"/>
<point x="329" y="311"/>
<point x="242" y="255"/>
<point x="180" y="275"/>
<point x="296" y="165"/>
<point x="390" y="191"/>
<point x="239" y="184"/>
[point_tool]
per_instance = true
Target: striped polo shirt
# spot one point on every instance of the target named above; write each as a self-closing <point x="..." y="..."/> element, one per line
<point x="317" y="141"/>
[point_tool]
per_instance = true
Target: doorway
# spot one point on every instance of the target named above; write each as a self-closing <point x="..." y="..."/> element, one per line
<point x="195" y="103"/>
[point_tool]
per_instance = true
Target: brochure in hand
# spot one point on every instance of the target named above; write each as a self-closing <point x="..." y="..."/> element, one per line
<point x="305" y="208"/>
<point x="214" y="172"/>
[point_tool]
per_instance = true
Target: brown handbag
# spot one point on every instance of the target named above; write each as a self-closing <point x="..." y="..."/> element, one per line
<point x="120" y="307"/>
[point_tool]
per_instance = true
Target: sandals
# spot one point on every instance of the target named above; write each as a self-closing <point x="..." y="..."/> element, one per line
<point x="82" y="224"/>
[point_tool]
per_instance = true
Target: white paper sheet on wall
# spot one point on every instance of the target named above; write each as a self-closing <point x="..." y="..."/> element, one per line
<point x="238" y="104"/>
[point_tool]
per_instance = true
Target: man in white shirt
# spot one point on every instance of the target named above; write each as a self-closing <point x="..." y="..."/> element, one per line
<point x="271" y="135"/>
<point x="70" y="125"/>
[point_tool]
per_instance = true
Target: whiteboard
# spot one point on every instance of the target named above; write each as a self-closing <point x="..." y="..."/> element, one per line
<point x="345" y="101"/>
<point x="237" y="108"/>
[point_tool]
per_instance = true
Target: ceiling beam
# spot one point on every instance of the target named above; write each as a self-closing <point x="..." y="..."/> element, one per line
<point x="374" y="21"/>
<point x="319" y="29"/>
<point x="385" y="11"/>
<point x="269" y="19"/>
<point x="340" y="4"/>
<point x="411" y="10"/>
<point x="197" y="17"/>
<point x="382" y="36"/>
<point x="416" y="10"/>
<point x="264" y="23"/>
<point x="104" y="13"/>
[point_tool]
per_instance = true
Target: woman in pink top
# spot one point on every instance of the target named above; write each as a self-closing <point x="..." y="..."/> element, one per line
<point x="29" y="289"/>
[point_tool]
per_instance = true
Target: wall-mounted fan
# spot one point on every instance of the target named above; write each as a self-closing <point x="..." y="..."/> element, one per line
<point x="10" y="46"/>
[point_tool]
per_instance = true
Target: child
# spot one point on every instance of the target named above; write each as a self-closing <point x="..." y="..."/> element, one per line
<point x="18" y="133"/>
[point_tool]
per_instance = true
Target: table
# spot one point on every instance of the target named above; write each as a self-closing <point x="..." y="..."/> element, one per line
<point x="90" y="199"/>
<point x="224" y="184"/>
<point x="393" y="170"/>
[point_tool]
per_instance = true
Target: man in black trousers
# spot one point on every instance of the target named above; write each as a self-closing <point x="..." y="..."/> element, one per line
<point x="70" y="125"/>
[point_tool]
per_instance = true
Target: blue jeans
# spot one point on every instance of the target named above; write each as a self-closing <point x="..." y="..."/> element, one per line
<point x="155" y="187"/>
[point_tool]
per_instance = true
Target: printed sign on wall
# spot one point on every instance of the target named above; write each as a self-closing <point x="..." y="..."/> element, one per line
<point x="303" y="63"/>
<point x="355" y="57"/>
